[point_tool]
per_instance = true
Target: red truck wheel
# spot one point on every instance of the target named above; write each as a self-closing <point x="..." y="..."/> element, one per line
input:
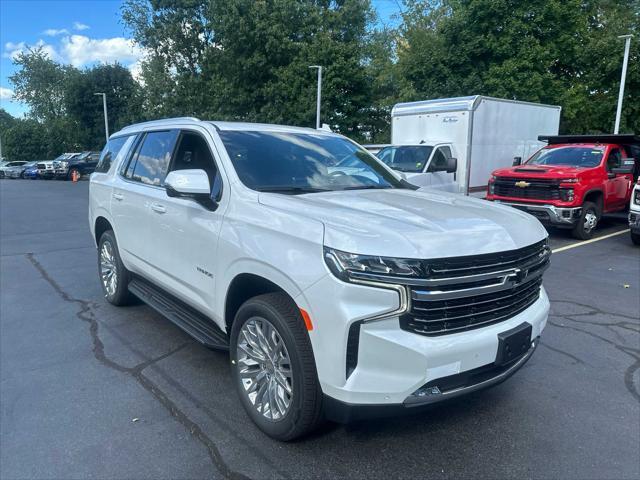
<point x="584" y="228"/>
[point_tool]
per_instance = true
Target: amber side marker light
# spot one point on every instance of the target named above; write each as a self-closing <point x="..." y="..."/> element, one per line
<point x="307" y="319"/>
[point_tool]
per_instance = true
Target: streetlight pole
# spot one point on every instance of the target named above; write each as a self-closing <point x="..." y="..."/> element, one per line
<point x="627" y="43"/>
<point x="319" y="94"/>
<point x="104" y="108"/>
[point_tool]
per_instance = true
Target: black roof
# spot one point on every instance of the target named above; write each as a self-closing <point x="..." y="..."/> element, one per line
<point x="624" y="139"/>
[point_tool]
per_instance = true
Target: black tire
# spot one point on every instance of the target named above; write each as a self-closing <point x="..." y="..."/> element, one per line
<point x="305" y="410"/>
<point x="635" y="238"/>
<point x="584" y="229"/>
<point x="120" y="295"/>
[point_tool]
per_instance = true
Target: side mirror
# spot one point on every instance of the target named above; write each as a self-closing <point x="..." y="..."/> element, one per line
<point x="192" y="184"/>
<point x="452" y="165"/>
<point x="517" y="161"/>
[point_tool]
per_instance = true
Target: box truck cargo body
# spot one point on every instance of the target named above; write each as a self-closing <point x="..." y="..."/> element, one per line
<point x="483" y="133"/>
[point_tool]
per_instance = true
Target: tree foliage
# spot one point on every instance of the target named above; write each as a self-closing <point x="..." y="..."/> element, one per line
<point x="562" y="52"/>
<point x="249" y="60"/>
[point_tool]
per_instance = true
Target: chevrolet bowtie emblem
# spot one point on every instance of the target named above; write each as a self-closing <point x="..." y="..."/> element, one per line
<point x="522" y="184"/>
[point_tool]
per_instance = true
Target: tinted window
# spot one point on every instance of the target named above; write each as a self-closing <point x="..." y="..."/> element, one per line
<point x="573" y="156"/>
<point x="303" y="162"/>
<point x="615" y="159"/>
<point x="154" y="156"/>
<point x="110" y="152"/>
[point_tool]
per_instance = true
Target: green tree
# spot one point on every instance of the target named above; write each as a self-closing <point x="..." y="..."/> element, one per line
<point x="248" y="60"/>
<point x="41" y="83"/>
<point x="85" y="108"/>
<point x="558" y="51"/>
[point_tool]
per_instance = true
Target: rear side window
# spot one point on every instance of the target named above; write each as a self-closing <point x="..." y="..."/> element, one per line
<point x="154" y="156"/>
<point x="110" y="152"/>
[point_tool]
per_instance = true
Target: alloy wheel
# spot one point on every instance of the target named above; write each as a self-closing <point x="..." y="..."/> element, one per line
<point x="108" y="271"/>
<point x="264" y="367"/>
<point x="590" y="220"/>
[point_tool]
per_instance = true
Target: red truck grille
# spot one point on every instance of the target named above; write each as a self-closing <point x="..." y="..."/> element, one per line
<point x="535" y="188"/>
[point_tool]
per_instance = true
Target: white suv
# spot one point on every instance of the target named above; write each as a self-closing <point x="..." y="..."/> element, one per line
<point x="340" y="290"/>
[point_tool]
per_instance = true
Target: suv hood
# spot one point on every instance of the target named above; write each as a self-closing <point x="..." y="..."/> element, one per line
<point x="412" y="224"/>
<point x="544" y="170"/>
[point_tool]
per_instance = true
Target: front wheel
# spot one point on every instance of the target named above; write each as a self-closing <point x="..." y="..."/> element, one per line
<point x="635" y="238"/>
<point x="586" y="224"/>
<point x="274" y="368"/>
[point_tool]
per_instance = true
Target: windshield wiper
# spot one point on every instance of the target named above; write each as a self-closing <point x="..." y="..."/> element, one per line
<point x="288" y="189"/>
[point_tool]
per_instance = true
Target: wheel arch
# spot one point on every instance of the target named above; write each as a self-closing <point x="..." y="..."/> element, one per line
<point x="100" y="225"/>
<point x="245" y="286"/>
<point x="596" y="196"/>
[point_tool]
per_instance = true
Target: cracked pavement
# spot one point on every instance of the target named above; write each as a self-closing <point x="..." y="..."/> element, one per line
<point x="76" y="372"/>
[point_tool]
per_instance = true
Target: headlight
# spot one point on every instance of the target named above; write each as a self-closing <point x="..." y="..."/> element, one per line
<point x="636" y="196"/>
<point x="349" y="266"/>
<point x="64" y="164"/>
<point x="566" y="194"/>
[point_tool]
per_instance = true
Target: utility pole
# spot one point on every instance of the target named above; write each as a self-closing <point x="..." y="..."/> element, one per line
<point x="627" y="44"/>
<point x="106" y="119"/>
<point x="319" y="96"/>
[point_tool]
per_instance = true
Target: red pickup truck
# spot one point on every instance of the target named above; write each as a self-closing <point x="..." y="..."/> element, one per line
<point x="572" y="181"/>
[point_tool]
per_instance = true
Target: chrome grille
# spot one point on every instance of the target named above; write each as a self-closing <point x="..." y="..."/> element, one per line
<point x="471" y="292"/>
<point x="539" y="189"/>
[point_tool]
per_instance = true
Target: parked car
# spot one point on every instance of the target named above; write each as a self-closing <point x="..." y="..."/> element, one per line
<point x="18" y="171"/>
<point x="482" y="133"/>
<point x="31" y="171"/>
<point x="80" y="164"/>
<point x="572" y="181"/>
<point x="634" y="214"/>
<point x="7" y="165"/>
<point x="338" y="291"/>
<point x="45" y="169"/>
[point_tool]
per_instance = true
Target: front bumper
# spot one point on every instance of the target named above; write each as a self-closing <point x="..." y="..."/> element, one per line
<point x="393" y="363"/>
<point x="548" y="214"/>
<point x="634" y="221"/>
<point x="473" y="381"/>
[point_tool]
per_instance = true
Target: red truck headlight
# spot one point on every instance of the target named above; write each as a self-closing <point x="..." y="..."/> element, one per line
<point x="566" y="194"/>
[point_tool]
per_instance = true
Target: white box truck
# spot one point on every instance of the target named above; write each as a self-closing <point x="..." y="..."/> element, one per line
<point x="482" y="133"/>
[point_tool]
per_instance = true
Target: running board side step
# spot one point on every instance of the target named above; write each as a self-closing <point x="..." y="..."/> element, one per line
<point x="199" y="326"/>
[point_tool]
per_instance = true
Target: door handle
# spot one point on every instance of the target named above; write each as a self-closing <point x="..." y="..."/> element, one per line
<point x="156" y="207"/>
<point x="118" y="196"/>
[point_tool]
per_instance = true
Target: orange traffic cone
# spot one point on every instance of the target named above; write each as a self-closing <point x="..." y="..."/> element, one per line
<point x="74" y="176"/>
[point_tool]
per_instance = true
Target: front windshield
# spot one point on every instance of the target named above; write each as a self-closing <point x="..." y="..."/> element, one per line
<point x="303" y="162"/>
<point x="582" y="157"/>
<point x="406" y="158"/>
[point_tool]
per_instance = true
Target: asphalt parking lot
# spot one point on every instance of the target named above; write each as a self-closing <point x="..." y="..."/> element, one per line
<point x="89" y="390"/>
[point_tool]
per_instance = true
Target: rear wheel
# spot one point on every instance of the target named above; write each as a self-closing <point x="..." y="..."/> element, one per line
<point x="635" y="238"/>
<point x="586" y="224"/>
<point x="114" y="277"/>
<point x="274" y="368"/>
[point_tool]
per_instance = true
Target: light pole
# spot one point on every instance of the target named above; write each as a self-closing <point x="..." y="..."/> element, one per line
<point x="106" y="120"/>
<point x="627" y="43"/>
<point x="319" y="94"/>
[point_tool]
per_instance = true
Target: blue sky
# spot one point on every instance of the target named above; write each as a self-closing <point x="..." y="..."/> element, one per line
<point x="81" y="33"/>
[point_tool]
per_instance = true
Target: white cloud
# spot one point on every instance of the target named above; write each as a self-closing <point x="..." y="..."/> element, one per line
<point x="12" y="50"/>
<point x="6" y="93"/>
<point x="52" y="32"/>
<point x="80" y="26"/>
<point x="79" y="50"/>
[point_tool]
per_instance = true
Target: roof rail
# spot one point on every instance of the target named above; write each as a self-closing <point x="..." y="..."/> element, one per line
<point x="160" y="122"/>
